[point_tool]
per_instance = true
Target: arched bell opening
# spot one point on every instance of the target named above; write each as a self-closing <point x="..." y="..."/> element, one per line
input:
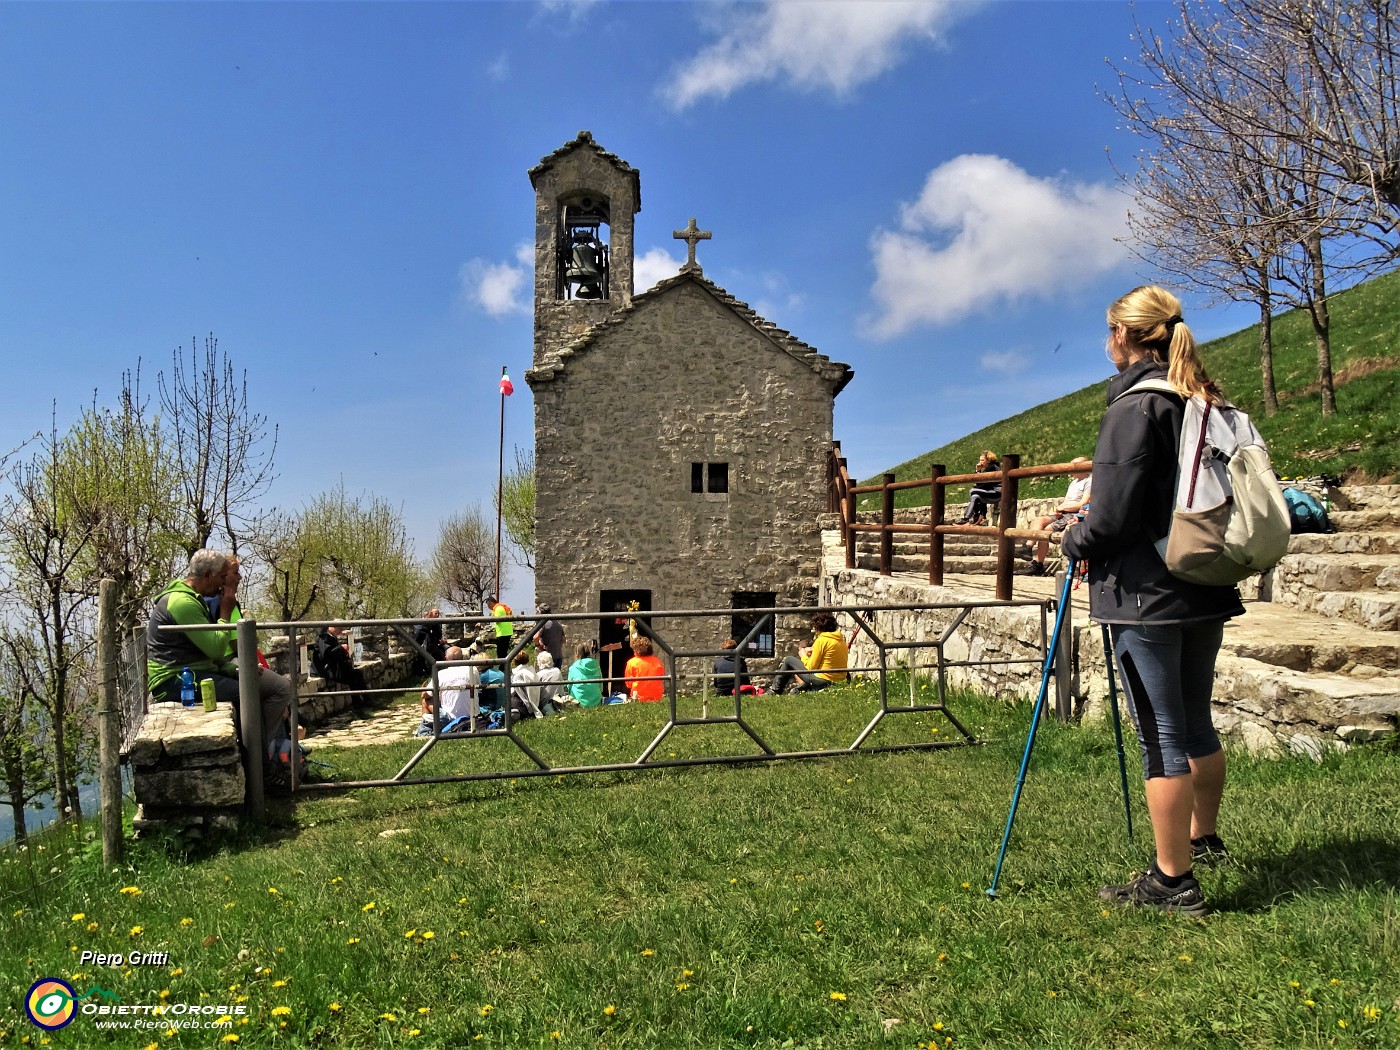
<point x="584" y="259"/>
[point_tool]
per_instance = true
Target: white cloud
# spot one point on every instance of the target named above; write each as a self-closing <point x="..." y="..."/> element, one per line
<point x="656" y="264"/>
<point x="499" y="288"/>
<point x="835" y="44"/>
<point x="576" y="10"/>
<point x="984" y="231"/>
<point x="1004" y="362"/>
<point x="498" y="69"/>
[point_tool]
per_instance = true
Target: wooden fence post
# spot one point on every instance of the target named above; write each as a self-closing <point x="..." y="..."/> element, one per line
<point x="886" y="520"/>
<point x="1006" y="519"/>
<point x="109" y="738"/>
<point x="937" y="498"/>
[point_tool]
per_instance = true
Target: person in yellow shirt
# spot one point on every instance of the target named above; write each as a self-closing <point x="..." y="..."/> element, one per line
<point x="822" y="663"/>
<point x="505" y="627"/>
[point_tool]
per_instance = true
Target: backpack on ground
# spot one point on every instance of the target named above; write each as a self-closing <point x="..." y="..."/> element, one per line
<point x="1229" y="517"/>
<point x="1305" y="512"/>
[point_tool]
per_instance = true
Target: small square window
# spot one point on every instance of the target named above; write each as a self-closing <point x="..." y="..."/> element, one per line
<point x="719" y="477"/>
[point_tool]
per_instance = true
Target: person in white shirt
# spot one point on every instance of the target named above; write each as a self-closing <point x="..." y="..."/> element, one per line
<point x="458" y="691"/>
<point x="1071" y="509"/>
<point x="549" y="678"/>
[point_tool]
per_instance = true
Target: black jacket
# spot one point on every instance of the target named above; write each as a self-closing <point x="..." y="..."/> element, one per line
<point x="1131" y="508"/>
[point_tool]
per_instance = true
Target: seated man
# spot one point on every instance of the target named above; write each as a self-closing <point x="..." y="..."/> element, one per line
<point x="429" y="636"/>
<point x="727" y="664"/>
<point x="332" y="661"/>
<point x="457" y="693"/>
<point x="205" y="653"/>
<point x="1070" y="510"/>
<point x="822" y="663"/>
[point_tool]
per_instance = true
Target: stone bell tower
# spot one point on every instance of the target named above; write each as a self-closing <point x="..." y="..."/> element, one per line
<point x="585" y="200"/>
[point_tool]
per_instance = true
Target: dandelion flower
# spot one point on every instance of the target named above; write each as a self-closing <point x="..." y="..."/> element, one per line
<point x="687" y="973"/>
<point x="967" y="885"/>
<point x="186" y="921"/>
<point x="92" y="927"/>
<point x="415" y="1031"/>
<point x="682" y="986"/>
<point x="337" y="881"/>
<point x="1183" y="958"/>
<point x="1370" y="1012"/>
<point x="368" y="907"/>
<point x="425" y="1009"/>
<point x="387" y="1017"/>
<point x="485" y="1011"/>
<point x="839" y="997"/>
<point x="279" y="984"/>
<point x="1341" y="1023"/>
<point x="272" y="889"/>
<point x="609" y="1010"/>
<point x="281" y="1011"/>
<point x="223" y="1019"/>
<point x="136" y="931"/>
<point x="334" y="1008"/>
<point x="938" y="1026"/>
<point x="78" y="916"/>
<point x="131" y="891"/>
<point x="428" y="935"/>
<point x="411" y="933"/>
<point x="353" y="940"/>
<point x="177" y="971"/>
<point x="646" y="952"/>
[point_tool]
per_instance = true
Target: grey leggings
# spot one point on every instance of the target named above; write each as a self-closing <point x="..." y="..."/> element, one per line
<point x="1167" y="672"/>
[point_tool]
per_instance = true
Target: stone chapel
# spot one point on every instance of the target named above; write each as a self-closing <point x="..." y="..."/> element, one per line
<point x="681" y="440"/>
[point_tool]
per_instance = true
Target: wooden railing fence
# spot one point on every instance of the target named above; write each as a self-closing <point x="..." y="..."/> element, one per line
<point x="844" y="497"/>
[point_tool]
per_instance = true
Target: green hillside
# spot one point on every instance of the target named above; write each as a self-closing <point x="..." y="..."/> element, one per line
<point x="1361" y="442"/>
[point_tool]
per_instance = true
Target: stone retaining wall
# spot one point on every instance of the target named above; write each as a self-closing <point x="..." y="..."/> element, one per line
<point x="187" y="769"/>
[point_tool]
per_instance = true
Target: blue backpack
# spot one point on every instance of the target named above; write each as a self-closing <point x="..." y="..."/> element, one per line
<point x="1305" y="513"/>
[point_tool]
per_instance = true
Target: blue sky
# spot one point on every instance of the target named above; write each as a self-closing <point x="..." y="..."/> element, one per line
<point x="338" y="191"/>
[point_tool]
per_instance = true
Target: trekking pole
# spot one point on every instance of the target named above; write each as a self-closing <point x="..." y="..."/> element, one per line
<point x="1117" y="728"/>
<point x="1035" y="720"/>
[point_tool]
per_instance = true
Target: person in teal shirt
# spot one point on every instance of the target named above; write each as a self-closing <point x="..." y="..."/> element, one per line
<point x="585" y="666"/>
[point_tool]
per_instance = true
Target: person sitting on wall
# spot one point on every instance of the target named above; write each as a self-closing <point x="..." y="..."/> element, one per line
<point x="727" y="664"/>
<point x="429" y="636"/>
<point x="205" y="653"/>
<point x="641" y="671"/>
<point x="821" y="663"/>
<point x="985" y="493"/>
<point x="331" y="661"/>
<point x="457" y="691"/>
<point x="1071" y="509"/>
<point x="585" y="687"/>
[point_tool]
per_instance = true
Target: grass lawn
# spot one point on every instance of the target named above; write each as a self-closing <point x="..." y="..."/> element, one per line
<point x="835" y="902"/>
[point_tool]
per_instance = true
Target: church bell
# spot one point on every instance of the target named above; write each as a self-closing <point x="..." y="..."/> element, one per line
<point x="586" y="265"/>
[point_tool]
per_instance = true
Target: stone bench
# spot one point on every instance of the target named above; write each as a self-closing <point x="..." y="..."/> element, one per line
<point x="187" y="769"/>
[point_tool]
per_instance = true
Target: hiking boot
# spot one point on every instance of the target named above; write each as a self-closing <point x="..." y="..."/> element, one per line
<point x="1148" y="891"/>
<point x="1038" y="568"/>
<point x="1209" y="851"/>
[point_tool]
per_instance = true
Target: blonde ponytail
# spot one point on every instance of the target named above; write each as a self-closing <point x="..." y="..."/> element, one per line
<point x="1152" y="317"/>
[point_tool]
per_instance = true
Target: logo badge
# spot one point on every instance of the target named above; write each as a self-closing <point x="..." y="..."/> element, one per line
<point x="50" y="1003"/>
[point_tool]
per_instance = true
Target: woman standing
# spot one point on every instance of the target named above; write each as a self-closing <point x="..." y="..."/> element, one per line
<point x="1166" y="632"/>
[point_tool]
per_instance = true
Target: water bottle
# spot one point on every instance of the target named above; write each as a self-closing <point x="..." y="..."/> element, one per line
<point x="187" y="693"/>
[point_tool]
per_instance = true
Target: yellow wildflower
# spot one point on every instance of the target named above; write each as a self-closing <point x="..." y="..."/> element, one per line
<point x="839" y="997"/>
<point x="368" y="907"/>
<point x="646" y="952"/>
<point x="428" y="935"/>
<point x="279" y="984"/>
<point x="609" y="1010"/>
<point x="387" y="1017"/>
<point x="281" y="1011"/>
<point x="1370" y="1012"/>
<point x="131" y="891"/>
<point x="136" y="931"/>
<point x="485" y="1011"/>
<point x="353" y="940"/>
<point x="92" y="927"/>
<point x="78" y="916"/>
<point x="334" y="1008"/>
<point x="186" y="921"/>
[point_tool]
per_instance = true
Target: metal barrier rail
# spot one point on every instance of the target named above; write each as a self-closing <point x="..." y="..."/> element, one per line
<point x="865" y="619"/>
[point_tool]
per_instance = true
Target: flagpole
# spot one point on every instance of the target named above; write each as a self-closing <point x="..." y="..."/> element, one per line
<point x="500" y="476"/>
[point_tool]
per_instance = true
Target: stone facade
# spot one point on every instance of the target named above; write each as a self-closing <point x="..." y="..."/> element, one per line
<point x="186" y="768"/>
<point x="678" y="389"/>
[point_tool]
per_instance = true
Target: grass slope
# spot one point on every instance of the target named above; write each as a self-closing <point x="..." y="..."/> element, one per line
<point x="1362" y="440"/>
<point x="832" y="903"/>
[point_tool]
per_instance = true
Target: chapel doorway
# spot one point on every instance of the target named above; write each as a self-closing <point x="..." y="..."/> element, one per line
<point x="613" y="648"/>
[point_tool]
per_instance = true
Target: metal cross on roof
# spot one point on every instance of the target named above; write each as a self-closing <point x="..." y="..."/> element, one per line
<point x="690" y="235"/>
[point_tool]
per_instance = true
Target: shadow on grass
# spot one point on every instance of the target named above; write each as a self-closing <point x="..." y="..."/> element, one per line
<point x="1340" y="864"/>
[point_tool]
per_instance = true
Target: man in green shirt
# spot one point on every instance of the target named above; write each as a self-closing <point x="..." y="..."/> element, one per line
<point x="206" y="653"/>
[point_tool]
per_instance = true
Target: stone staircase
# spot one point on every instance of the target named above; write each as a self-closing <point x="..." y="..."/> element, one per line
<point x="1315" y="662"/>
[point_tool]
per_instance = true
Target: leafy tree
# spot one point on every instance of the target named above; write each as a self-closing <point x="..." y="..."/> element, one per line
<point x="24" y="773"/>
<point x="518" y="507"/>
<point x="341" y="556"/>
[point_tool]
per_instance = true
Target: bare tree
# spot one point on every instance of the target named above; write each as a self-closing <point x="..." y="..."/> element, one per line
<point x="462" y="569"/>
<point x="220" y="448"/>
<point x="1242" y="109"/>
